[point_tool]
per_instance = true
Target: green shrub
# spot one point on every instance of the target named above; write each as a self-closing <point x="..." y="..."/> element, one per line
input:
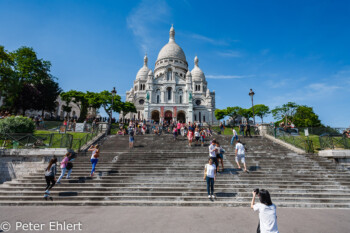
<point x="17" y="124"/>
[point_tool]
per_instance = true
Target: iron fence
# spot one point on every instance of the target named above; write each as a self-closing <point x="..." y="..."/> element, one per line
<point x="301" y="142"/>
<point x="51" y="140"/>
<point x="328" y="141"/>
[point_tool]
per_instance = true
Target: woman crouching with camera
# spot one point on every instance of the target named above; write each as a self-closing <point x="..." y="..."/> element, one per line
<point x="267" y="212"/>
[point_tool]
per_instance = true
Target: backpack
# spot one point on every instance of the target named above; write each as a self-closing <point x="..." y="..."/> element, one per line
<point x="69" y="166"/>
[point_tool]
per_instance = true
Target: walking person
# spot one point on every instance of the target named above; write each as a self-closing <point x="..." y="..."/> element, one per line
<point x="94" y="157"/>
<point x="222" y="128"/>
<point x="234" y="136"/>
<point x="220" y="156"/>
<point x="50" y="174"/>
<point x="210" y="177"/>
<point x="63" y="166"/>
<point x="190" y="135"/>
<point x="247" y="130"/>
<point x="202" y="134"/>
<point x="212" y="152"/>
<point x="241" y="128"/>
<point x="240" y="155"/>
<point x="175" y="133"/>
<point x="267" y="212"/>
<point x="197" y="135"/>
<point x="131" y="137"/>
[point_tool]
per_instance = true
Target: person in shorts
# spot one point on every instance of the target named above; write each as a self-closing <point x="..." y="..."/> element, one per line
<point x="202" y="134"/>
<point x="212" y="152"/>
<point x="131" y="137"/>
<point x="197" y="135"/>
<point x="240" y="155"/>
<point x="220" y="156"/>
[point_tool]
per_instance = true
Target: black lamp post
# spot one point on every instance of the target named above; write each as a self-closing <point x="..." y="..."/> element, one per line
<point x="113" y="92"/>
<point x="251" y="94"/>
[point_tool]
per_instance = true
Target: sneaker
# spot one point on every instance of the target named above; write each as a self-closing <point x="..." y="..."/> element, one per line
<point x="58" y="182"/>
<point x="213" y="196"/>
<point x="47" y="192"/>
<point x="209" y="196"/>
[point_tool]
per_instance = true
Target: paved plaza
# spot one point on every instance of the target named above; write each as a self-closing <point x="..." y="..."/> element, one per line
<point x="177" y="219"/>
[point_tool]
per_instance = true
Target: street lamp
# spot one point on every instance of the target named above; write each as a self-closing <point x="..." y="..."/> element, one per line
<point x="251" y="94"/>
<point x="113" y="92"/>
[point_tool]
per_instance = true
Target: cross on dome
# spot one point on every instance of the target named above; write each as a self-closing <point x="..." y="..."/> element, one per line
<point x="145" y="60"/>
<point x="172" y="34"/>
<point x="196" y="61"/>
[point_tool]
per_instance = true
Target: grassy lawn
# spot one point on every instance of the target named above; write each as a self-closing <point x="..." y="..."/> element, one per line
<point x="76" y="135"/>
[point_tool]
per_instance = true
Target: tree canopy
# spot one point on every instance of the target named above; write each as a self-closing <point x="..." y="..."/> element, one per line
<point x="26" y="82"/>
<point x="261" y="111"/>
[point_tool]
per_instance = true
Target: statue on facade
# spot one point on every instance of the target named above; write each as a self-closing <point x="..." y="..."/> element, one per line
<point x="147" y="97"/>
<point x="190" y="96"/>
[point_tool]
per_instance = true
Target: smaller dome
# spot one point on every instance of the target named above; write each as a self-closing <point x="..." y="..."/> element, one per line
<point x="197" y="73"/>
<point x="143" y="72"/>
<point x="150" y="73"/>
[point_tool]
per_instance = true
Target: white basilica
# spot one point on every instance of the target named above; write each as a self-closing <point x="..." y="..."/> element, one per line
<point x="171" y="92"/>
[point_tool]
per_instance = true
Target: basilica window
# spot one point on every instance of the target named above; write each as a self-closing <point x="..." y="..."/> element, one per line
<point x="169" y="93"/>
<point x="141" y="101"/>
<point x="169" y="75"/>
<point x="199" y="87"/>
<point x="203" y="118"/>
<point x="180" y="99"/>
<point x="158" y="99"/>
<point x="195" y="117"/>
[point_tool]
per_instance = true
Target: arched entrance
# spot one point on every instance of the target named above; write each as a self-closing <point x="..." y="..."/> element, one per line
<point x="155" y="116"/>
<point x="168" y="116"/>
<point x="181" y="117"/>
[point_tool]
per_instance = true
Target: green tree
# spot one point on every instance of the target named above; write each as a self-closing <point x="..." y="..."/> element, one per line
<point x="261" y="111"/>
<point x="49" y="90"/>
<point x="104" y="100"/>
<point x="305" y="117"/>
<point x="286" y="112"/>
<point x="80" y="99"/>
<point x="220" y="114"/>
<point x="128" y="107"/>
<point x="246" y="113"/>
<point x="233" y="112"/>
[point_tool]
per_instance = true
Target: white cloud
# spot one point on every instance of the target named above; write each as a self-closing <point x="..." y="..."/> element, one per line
<point x="230" y="53"/>
<point x="209" y="40"/>
<point x="145" y="18"/>
<point x="323" y="87"/>
<point x="228" y="76"/>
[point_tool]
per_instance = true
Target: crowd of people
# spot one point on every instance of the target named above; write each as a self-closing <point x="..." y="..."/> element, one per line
<point x="267" y="210"/>
<point x="346" y="133"/>
<point x="4" y="114"/>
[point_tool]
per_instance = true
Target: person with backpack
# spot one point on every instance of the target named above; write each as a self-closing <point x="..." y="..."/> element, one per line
<point x="267" y="212"/>
<point x="94" y="157"/>
<point x="50" y="173"/>
<point x="63" y="166"/>
<point x="131" y="133"/>
<point x="220" y="156"/>
<point x="222" y="128"/>
<point x="69" y="166"/>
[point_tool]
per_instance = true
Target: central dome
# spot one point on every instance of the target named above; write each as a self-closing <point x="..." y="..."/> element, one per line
<point x="171" y="49"/>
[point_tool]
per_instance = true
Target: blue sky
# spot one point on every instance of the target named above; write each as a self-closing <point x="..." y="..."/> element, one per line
<point x="285" y="50"/>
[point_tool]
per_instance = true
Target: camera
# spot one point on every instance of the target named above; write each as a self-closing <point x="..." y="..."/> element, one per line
<point x="256" y="191"/>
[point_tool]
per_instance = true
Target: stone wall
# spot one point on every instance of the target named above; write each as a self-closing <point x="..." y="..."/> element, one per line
<point x="13" y="167"/>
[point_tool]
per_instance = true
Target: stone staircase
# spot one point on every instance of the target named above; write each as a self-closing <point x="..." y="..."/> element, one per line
<point x="163" y="172"/>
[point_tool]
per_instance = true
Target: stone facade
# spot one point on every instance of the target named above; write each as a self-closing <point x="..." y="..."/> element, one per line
<point x="172" y="92"/>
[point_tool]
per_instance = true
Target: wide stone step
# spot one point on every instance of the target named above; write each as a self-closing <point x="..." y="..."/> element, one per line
<point x="169" y="198"/>
<point x="152" y="193"/>
<point x="169" y="203"/>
